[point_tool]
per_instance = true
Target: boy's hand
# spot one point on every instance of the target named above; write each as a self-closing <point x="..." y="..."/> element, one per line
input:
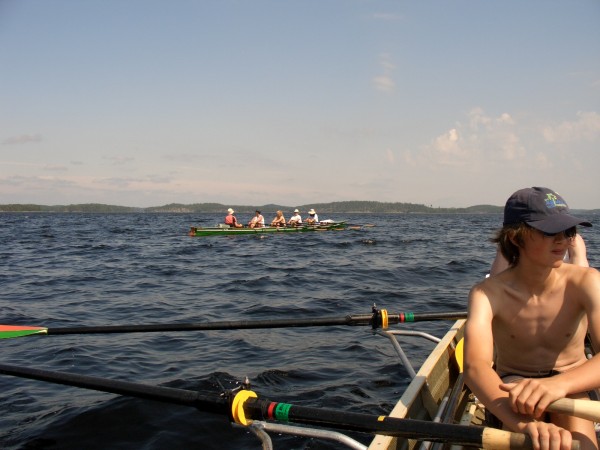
<point x="547" y="436"/>
<point x="532" y="396"/>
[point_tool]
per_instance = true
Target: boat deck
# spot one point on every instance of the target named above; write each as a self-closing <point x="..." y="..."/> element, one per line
<point x="422" y="398"/>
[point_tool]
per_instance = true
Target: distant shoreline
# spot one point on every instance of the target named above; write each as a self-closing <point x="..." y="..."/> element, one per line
<point x="347" y="207"/>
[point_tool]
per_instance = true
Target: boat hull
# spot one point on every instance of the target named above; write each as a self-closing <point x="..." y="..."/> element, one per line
<point x="226" y="231"/>
<point x="423" y="396"/>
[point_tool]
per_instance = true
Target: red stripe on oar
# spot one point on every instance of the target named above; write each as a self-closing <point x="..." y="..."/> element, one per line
<point x="20" y="328"/>
<point x="270" y="409"/>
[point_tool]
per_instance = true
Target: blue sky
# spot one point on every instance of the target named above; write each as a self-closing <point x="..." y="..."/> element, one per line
<point x="445" y="103"/>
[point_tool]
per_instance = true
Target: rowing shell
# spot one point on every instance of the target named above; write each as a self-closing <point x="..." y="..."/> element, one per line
<point x="228" y="231"/>
<point x="428" y="395"/>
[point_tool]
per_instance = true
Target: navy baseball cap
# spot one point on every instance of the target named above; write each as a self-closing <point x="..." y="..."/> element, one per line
<point x="542" y="209"/>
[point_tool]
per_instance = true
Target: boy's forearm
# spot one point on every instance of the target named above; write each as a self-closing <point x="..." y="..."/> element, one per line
<point x="484" y="382"/>
<point x="583" y="378"/>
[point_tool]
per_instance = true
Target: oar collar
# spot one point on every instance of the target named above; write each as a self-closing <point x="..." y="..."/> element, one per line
<point x="380" y="318"/>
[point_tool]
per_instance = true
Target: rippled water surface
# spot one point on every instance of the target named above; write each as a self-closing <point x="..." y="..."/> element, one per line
<point x="63" y="270"/>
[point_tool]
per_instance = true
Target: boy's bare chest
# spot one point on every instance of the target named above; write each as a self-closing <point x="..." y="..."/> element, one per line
<point x="549" y="319"/>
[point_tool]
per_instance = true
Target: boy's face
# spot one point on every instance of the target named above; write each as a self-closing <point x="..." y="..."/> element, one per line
<point x="548" y="250"/>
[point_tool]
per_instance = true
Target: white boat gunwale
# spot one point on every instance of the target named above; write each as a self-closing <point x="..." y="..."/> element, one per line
<point x="422" y="397"/>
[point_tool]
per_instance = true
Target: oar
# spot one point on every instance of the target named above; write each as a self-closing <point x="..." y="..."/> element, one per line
<point x="354" y="226"/>
<point x="379" y="318"/>
<point x="246" y="406"/>
<point x="585" y="409"/>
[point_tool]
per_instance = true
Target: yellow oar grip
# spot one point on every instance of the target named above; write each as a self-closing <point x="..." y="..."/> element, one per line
<point x="237" y="406"/>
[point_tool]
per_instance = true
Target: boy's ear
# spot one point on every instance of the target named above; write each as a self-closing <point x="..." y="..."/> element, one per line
<point x="516" y="241"/>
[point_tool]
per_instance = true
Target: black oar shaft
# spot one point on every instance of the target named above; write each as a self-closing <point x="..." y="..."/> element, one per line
<point x="261" y="409"/>
<point x="183" y="397"/>
<point x="366" y="423"/>
<point x="352" y="320"/>
<point x="475" y="436"/>
<point x="205" y="326"/>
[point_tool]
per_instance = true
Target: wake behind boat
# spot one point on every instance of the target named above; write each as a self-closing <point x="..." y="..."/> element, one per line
<point x="226" y="230"/>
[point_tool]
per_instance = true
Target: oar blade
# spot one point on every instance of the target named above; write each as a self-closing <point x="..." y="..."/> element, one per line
<point x="13" y="331"/>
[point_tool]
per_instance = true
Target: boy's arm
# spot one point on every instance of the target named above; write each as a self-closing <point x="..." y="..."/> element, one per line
<point x="577" y="252"/>
<point x="500" y="263"/>
<point x="587" y="376"/>
<point x="591" y="302"/>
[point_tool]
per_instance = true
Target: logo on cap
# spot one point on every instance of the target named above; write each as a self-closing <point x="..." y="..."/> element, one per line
<point x="553" y="201"/>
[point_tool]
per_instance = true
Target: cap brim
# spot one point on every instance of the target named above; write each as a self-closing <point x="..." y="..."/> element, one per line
<point x="557" y="223"/>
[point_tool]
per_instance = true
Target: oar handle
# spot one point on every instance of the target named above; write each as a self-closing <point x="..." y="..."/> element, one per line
<point x="493" y="438"/>
<point x="586" y="409"/>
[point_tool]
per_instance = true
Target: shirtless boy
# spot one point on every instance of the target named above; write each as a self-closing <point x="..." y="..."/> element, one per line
<point x="524" y="338"/>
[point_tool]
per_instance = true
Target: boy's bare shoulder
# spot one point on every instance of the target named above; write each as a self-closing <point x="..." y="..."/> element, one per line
<point x="587" y="279"/>
<point x="493" y="291"/>
<point x="497" y="281"/>
<point x="583" y="274"/>
<point x="486" y="289"/>
<point x="480" y="287"/>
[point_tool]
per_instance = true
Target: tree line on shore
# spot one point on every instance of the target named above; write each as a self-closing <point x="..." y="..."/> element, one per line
<point x="348" y="207"/>
<point x="364" y="207"/>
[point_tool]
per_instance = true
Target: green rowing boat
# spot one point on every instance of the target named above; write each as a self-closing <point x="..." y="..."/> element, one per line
<point x="225" y="230"/>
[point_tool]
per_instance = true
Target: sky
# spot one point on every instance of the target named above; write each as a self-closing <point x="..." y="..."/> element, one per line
<point x="437" y="102"/>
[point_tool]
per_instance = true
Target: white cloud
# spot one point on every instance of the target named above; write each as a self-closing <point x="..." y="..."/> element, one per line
<point x="585" y="128"/>
<point x="482" y="140"/>
<point x="390" y="156"/>
<point x="448" y="142"/>
<point x="477" y="118"/>
<point x="385" y="82"/>
<point x="22" y="139"/>
<point x="408" y="158"/>
<point x="118" y="160"/>
<point x="55" y="168"/>
<point x="506" y="118"/>
<point x="542" y="161"/>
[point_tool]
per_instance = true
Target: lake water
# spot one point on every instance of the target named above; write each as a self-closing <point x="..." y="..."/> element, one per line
<point x="62" y="270"/>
